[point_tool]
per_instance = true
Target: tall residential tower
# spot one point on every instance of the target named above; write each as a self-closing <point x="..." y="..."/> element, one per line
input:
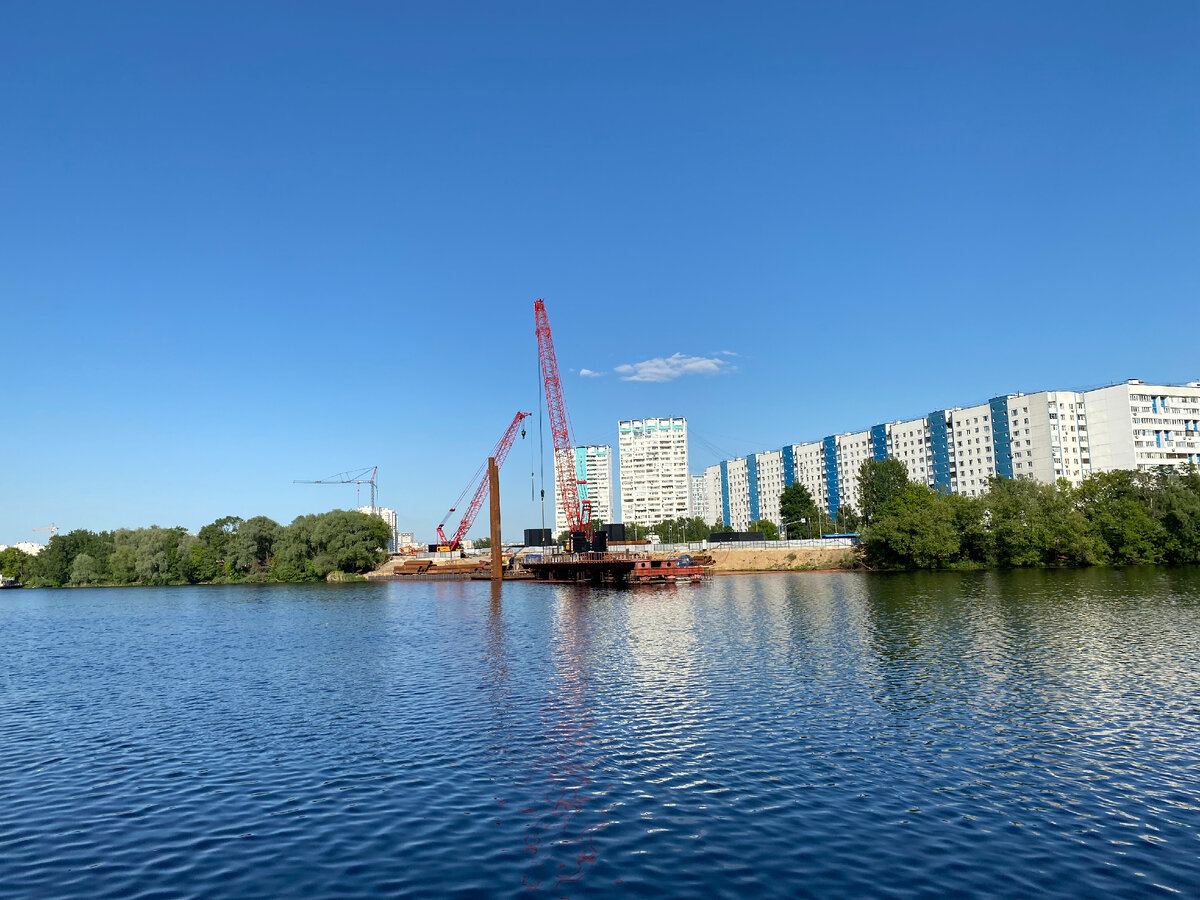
<point x="654" y="470"/>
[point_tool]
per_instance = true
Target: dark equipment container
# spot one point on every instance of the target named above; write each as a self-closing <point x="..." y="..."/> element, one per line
<point x="615" y="531"/>
<point x="579" y="542"/>
<point x="599" y="542"/>
<point x="539" y="537"/>
<point x="736" y="537"/>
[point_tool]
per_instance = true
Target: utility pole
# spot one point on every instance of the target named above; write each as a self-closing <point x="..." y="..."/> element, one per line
<point x="494" y="490"/>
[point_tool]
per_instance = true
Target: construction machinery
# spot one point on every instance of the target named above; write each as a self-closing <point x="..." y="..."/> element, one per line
<point x="52" y="528"/>
<point x="577" y="513"/>
<point x="479" y="482"/>
<point x="358" y="476"/>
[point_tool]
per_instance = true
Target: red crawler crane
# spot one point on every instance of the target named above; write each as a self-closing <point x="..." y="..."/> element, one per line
<point x="480" y="482"/>
<point x="578" y="514"/>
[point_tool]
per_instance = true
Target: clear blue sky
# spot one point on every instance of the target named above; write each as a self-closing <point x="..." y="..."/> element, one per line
<point x="242" y="243"/>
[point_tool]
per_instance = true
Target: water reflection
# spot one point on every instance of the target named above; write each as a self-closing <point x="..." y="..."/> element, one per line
<point x="974" y="735"/>
<point x="560" y="828"/>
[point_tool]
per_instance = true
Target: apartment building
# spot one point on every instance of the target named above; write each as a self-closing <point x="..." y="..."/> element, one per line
<point x="907" y="441"/>
<point x="653" y="464"/>
<point x="593" y="474"/>
<point x="698" y="499"/>
<point x="713" y="495"/>
<point x="971" y="445"/>
<point x="1045" y="436"/>
<point x="1141" y="426"/>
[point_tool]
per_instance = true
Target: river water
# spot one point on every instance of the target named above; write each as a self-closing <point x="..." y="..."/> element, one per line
<point x="978" y="735"/>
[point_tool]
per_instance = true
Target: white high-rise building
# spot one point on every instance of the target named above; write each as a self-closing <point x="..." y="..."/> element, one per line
<point x="653" y="455"/>
<point x="713" y="495"/>
<point x="698" y="500"/>
<point x="1048" y="436"/>
<point x="593" y="467"/>
<point x="1143" y="426"/>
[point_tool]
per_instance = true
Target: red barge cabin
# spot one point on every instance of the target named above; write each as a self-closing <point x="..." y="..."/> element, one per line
<point x="617" y="568"/>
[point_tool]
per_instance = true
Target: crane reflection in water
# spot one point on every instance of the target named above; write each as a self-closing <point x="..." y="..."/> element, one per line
<point x="562" y="809"/>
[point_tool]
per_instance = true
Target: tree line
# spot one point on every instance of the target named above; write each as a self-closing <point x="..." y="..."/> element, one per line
<point x="229" y="550"/>
<point x="1111" y="518"/>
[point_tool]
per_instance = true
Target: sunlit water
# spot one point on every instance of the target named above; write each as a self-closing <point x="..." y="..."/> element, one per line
<point x="991" y="735"/>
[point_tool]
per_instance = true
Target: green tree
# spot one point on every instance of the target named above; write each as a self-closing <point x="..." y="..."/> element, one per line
<point x="248" y="549"/>
<point x="798" y="512"/>
<point x="682" y="530"/>
<point x="217" y="535"/>
<point x="879" y="482"/>
<point x="156" y="553"/>
<point x="1177" y="508"/>
<point x="915" y="530"/>
<point x="123" y="563"/>
<point x="15" y="563"/>
<point x="84" y="569"/>
<point x="848" y="520"/>
<point x="198" y="561"/>
<point x="1035" y="524"/>
<point x="1118" y="506"/>
<point x="483" y="543"/>
<point x="767" y="527"/>
<point x="354" y="541"/>
<point x="52" y="567"/>
<point x="635" y="532"/>
<point x="970" y="519"/>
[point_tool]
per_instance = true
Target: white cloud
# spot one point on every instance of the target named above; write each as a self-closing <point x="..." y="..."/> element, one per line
<point x="588" y="373"/>
<point x="673" y="367"/>
<point x="727" y="353"/>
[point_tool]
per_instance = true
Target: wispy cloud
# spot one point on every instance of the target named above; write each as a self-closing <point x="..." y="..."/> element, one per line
<point x="727" y="353"/>
<point x="672" y="367"/>
<point x="588" y="373"/>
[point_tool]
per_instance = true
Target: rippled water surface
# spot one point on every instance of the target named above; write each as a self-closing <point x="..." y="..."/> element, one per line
<point x="989" y="735"/>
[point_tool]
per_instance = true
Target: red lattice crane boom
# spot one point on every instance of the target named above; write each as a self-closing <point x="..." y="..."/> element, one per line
<point x="480" y="482"/>
<point x="578" y="514"/>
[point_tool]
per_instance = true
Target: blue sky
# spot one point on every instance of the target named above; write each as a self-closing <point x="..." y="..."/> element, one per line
<point x="242" y="244"/>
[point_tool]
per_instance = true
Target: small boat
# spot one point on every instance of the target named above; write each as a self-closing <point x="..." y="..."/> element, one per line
<point x="9" y="582"/>
<point x="673" y="570"/>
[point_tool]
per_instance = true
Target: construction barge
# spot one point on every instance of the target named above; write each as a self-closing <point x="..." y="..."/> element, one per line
<point x="616" y="569"/>
<point x="593" y="567"/>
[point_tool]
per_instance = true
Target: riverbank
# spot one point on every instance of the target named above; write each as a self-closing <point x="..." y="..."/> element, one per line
<point x="799" y="559"/>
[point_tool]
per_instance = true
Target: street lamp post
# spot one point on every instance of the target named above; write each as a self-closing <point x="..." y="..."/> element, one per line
<point x="793" y="522"/>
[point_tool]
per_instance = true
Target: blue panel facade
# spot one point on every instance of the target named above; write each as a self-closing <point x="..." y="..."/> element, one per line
<point x="725" y="492"/>
<point x="879" y="442"/>
<point x="1001" y="439"/>
<point x="581" y="471"/>
<point x="752" y="479"/>
<point x="939" y="447"/>
<point x="831" y="474"/>
<point x="789" y="466"/>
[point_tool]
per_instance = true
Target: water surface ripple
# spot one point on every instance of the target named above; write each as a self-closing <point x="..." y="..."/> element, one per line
<point x="976" y="735"/>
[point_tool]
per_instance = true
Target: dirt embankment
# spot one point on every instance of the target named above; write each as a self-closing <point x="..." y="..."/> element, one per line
<point x="800" y="559"/>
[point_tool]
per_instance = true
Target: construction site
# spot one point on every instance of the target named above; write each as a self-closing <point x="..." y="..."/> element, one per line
<point x="592" y="553"/>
